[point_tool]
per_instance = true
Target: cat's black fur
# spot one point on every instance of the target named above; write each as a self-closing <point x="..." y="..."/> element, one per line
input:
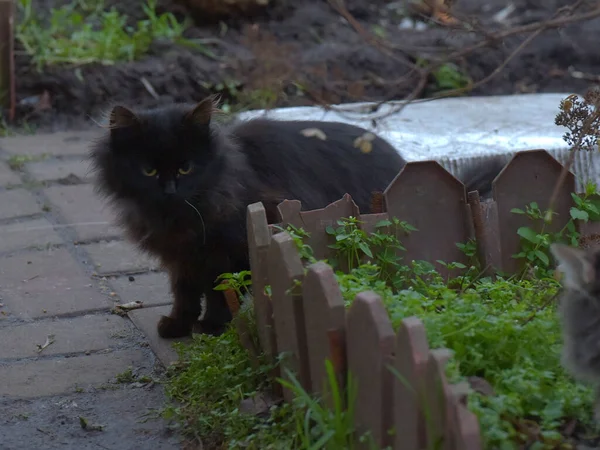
<point x="199" y="230"/>
<point x="196" y="222"/>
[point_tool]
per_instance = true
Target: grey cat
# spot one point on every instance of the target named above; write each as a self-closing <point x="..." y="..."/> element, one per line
<point x="579" y="309"/>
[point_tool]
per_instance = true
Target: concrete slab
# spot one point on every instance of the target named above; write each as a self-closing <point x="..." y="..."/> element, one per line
<point x="59" y="143"/>
<point x="118" y="257"/>
<point x="17" y="203"/>
<point x="146" y="319"/>
<point x="63" y="375"/>
<point x="7" y="176"/>
<point x="52" y="423"/>
<point x="47" y="283"/>
<point x="84" y="211"/>
<point x="152" y="288"/>
<point x="71" y="335"/>
<point x="60" y="169"/>
<point x="30" y="233"/>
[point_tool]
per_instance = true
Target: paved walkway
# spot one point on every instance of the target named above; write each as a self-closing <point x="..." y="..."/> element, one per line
<point x="63" y="267"/>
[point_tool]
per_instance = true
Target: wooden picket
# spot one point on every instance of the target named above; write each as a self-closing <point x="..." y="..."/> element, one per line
<point x="7" y="57"/>
<point x="316" y="222"/>
<point x="370" y="344"/>
<point x="437" y="208"/>
<point x="412" y="355"/>
<point x="401" y="382"/>
<point x="286" y="274"/>
<point x="324" y="306"/>
<point x="259" y="239"/>
<point x="529" y="177"/>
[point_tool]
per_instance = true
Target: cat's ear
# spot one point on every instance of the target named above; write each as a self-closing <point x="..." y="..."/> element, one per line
<point x="202" y="113"/>
<point x="121" y="117"/>
<point x="577" y="268"/>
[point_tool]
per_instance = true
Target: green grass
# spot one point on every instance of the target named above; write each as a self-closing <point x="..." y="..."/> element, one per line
<point x="83" y="32"/>
<point x="17" y="162"/>
<point x="214" y="376"/>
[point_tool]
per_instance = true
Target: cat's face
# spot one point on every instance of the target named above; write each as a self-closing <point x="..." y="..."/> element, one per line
<point x="164" y="157"/>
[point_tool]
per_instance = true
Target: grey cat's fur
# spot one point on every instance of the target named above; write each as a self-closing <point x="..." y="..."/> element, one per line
<point x="579" y="310"/>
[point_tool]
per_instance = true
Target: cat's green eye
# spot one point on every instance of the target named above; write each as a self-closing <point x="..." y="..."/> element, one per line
<point x="149" y="172"/>
<point x="186" y="168"/>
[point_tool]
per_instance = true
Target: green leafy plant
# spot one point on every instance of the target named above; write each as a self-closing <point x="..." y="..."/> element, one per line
<point x="299" y="235"/>
<point x="350" y="241"/>
<point x="239" y="282"/>
<point x="83" y="32"/>
<point x="535" y="245"/>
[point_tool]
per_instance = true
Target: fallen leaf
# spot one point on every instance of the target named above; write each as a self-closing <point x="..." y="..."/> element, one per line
<point x="49" y="341"/>
<point x="89" y="427"/>
<point x="481" y="386"/>
<point x="257" y="405"/>
<point x="364" y="142"/>
<point x="314" y="132"/>
<point x="129" y="306"/>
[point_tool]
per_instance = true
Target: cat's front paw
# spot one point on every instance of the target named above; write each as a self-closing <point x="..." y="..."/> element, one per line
<point x="168" y="327"/>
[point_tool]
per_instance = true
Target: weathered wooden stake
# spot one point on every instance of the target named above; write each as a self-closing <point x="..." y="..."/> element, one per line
<point x="7" y="63"/>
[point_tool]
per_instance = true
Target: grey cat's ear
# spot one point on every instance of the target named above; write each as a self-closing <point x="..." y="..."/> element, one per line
<point x="202" y="113"/>
<point x="121" y="117"/>
<point x="572" y="261"/>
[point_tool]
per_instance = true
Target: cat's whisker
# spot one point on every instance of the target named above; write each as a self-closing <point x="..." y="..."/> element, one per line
<point x="202" y="220"/>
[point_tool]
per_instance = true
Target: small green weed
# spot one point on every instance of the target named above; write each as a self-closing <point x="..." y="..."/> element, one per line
<point x="239" y="282"/>
<point x="322" y="427"/>
<point x="214" y="376"/>
<point x="83" y="32"/>
<point x="126" y="376"/>
<point x="449" y="77"/>
<point x="17" y="162"/>
<point x="536" y="244"/>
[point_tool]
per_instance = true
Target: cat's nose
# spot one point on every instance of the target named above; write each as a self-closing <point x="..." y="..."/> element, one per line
<point x="170" y="187"/>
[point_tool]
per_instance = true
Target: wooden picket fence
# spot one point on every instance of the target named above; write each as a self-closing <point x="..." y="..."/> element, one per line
<point x="305" y="317"/>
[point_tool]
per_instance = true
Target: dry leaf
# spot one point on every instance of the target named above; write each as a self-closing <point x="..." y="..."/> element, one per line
<point x="314" y="132"/>
<point x="122" y="310"/>
<point x="49" y="341"/>
<point x="258" y="404"/>
<point x="89" y="427"/>
<point x="131" y="305"/>
<point x="364" y="142"/>
<point x="481" y="386"/>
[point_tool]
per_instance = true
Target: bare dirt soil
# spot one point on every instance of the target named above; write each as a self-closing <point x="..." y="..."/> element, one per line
<point x="302" y="52"/>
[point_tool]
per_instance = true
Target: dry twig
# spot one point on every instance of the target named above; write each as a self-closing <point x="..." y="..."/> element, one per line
<point x="403" y="54"/>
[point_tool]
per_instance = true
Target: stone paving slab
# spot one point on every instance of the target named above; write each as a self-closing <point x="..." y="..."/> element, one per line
<point x="7" y="176"/>
<point x="118" y="256"/>
<point x="63" y="375"/>
<point x="71" y="335"/>
<point x="52" y="423"/>
<point x="47" y="283"/>
<point x="84" y="211"/>
<point x="59" y="143"/>
<point x="29" y="233"/>
<point x="58" y="169"/>
<point x="16" y="203"/>
<point x="151" y="288"/>
<point x="146" y="319"/>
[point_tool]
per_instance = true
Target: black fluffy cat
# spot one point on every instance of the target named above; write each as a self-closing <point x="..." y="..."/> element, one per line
<point x="182" y="184"/>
